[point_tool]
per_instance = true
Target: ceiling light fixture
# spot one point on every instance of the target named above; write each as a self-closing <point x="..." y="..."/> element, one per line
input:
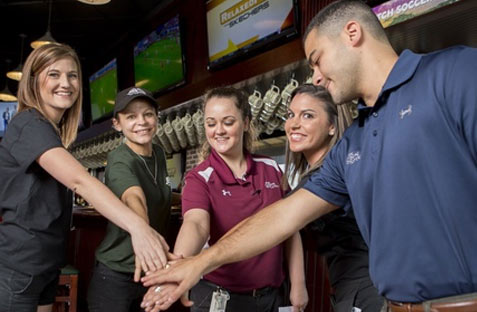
<point x="95" y="2"/>
<point x="16" y="74"/>
<point x="46" y="38"/>
<point x="6" y="95"/>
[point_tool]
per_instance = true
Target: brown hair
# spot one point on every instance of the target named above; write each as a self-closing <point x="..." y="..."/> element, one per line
<point x="340" y="116"/>
<point x="241" y="102"/>
<point x="332" y="18"/>
<point x="29" y="88"/>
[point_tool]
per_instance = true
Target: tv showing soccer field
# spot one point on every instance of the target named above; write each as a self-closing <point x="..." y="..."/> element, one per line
<point x="158" y="58"/>
<point x="241" y="28"/>
<point x="103" y="86"/>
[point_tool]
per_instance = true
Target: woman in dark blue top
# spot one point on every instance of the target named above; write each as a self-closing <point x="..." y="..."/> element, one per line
<point x="313" y="126"/>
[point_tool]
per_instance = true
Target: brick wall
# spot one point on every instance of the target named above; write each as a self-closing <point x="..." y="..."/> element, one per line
<point x="192" y="158"/>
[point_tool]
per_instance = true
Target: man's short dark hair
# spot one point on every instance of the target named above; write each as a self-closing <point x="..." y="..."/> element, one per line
<point x="331" y="19"/>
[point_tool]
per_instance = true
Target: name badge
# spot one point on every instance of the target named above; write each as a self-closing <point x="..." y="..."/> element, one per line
<point x="219" y="301"/>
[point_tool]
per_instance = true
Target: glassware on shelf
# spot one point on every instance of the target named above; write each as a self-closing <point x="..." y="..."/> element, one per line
<point x="189" y="129"/>
<point x="271" y="99"/>
<point x="198" y="118"/>
<point x="180" y="131"/>
<point x="255" y="101"/>
<point x="163" y="140"/>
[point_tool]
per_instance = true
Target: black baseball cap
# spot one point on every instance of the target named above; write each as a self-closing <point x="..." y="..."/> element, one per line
<point x="125" y="97"/>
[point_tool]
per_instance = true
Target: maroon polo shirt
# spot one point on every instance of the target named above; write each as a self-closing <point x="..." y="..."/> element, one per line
<point x="228" y="200"/>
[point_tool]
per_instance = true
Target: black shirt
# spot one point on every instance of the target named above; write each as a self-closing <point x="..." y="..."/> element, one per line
<point x="340" y="242"/>
<point x="34" y="206"/>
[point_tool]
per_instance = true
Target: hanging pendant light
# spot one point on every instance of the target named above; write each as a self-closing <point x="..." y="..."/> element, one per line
<point x="95" y="2"/>
<point x="6" y="95"/>
<point x="16" y="74"/>
<point x="46" y="38"/>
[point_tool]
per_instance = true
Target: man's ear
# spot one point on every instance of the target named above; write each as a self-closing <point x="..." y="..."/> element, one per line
<point x="353" y="33"/>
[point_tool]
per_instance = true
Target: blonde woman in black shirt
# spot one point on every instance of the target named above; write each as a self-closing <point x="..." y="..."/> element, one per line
<point x="36" y="169"/>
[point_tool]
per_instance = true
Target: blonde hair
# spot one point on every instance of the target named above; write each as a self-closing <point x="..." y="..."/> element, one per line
<point x="340" y="116"/>
<point x="29" y="88"/>
<point x="241" y="102"/>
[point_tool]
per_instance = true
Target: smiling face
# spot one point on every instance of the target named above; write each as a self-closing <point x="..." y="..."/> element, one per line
<point x="308" y="128"/>
<point x="224" y="126"/>
<point x="138" y="122"/>
<point x="59" y="87"/>
<point x="334" y="66"/>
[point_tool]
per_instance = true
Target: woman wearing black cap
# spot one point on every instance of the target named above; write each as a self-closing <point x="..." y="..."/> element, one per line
<point x="136" y="173"/>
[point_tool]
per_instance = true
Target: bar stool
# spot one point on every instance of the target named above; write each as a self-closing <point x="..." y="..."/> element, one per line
<point x="66" y="298"/>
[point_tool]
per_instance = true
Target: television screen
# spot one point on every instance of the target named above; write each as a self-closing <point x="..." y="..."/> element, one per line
<point x="158" y="58"/>
<point x="7" y="110"/>
<point x="237" y="27"/>
<point x="103" y="86"/>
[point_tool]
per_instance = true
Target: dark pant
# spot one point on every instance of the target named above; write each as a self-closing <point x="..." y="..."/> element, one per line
<point x="359" y="293"/>
<point x="265" y="300"/>
<point x="114" y="291"/>
<point x="21" y="292"/>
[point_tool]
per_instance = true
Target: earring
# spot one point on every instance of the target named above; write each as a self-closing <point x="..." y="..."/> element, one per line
<point x="331" y="133"/>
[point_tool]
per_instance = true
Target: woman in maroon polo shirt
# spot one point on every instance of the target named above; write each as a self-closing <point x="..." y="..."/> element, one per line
<point x="228" y="186"/>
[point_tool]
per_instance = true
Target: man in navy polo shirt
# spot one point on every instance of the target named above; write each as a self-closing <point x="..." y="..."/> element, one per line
<point x="408" y="165"/>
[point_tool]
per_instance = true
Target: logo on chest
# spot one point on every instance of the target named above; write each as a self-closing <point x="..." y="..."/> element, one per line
<point x="226" y="193"/>
<point x="405" y="112"/>
<point x="271" y="185"/>
<point x="353" y="157"/>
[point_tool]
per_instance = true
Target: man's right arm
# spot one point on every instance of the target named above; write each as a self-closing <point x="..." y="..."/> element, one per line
<point x="249" y="238"/>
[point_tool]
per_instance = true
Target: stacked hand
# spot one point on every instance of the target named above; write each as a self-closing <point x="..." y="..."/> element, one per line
<point x="157" y="297"/>
<point x="151" y="251"/>
<point x="169" y="284"/>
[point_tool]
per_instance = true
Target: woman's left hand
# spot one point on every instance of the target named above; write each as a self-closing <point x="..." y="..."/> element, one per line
<point x="298" y="297"/>
<point x="150" y="248"/>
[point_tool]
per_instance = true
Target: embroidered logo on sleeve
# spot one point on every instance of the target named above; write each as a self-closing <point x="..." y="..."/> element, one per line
<point x="353" y="157"/>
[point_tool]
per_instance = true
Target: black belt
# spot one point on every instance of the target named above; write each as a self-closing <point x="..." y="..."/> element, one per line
<point x="257" y="292"/>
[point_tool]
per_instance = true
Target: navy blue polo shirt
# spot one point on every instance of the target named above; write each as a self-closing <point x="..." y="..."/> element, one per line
<point x="409" y="166"/>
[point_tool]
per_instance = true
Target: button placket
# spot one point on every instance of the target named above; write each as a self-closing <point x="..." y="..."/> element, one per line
<point x="375" y="123"/>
